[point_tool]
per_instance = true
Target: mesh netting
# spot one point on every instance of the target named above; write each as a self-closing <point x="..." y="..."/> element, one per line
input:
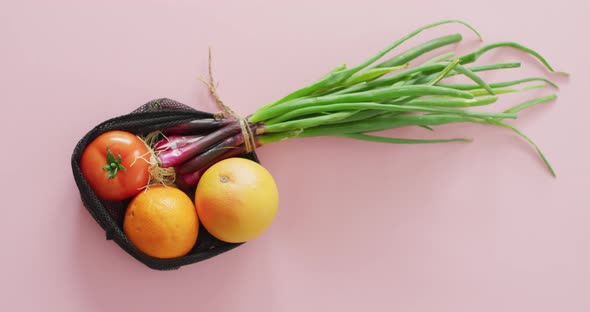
<point x="152" y="116"/>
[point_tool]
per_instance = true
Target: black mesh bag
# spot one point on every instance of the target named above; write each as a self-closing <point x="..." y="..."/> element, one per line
<point x="152" y="116"/>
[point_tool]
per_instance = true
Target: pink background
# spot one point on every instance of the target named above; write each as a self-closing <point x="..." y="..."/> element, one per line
<point x="362" y="226"/>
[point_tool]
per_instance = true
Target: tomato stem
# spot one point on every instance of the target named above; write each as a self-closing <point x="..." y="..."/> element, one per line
<point x="113" y="164"/>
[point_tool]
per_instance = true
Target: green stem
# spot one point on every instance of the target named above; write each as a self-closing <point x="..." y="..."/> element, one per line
<point x="307" y="122"/>
<point x="113" y="164"/>
<point x="473" y="56"/>
<point x="440" y="58"/>
<point x="384" y="122"/>
<point x="421" y="49"/>
<point x="383" y="107"/>
<point x="336" y="77"/>
<point x="525" y="137"/>
<point x="381" y="139"/>
<point x="516" y="109"/>
<point x="499" y="84"/>
<point x="366" y="96"/>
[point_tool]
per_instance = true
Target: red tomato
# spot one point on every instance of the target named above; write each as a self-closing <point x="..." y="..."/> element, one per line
<point x="115" y="166"/>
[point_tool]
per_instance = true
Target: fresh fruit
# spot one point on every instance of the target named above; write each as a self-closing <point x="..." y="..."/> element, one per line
<point x="236" y="200"/>
<point x="115" y="165"/>
<point x="162" y="222"/>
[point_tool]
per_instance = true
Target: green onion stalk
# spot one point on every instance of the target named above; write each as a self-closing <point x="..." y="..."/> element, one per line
<point x="378" y="94"/>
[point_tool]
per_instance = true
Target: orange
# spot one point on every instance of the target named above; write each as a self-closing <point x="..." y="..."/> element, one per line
<point x="236" y="200"/>
<point x="162" y="222"/>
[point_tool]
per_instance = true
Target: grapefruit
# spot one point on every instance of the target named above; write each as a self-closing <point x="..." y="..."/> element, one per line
<point x="236" y="200"/>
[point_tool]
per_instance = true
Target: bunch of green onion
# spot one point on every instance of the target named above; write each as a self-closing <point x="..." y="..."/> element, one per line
<point x="356" y="102"/>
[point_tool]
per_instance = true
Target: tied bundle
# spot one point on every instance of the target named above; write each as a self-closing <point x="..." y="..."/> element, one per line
<point x="356" y="102"/>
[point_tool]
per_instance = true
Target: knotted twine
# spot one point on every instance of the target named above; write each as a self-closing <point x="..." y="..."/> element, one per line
<point x="248" y="135"/>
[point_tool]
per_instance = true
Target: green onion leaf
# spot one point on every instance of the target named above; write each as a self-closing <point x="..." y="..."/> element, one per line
<point x="381" y="139"/>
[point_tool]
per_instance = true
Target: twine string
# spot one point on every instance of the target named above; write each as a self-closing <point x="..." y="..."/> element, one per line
<point x="249" y="139"/>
